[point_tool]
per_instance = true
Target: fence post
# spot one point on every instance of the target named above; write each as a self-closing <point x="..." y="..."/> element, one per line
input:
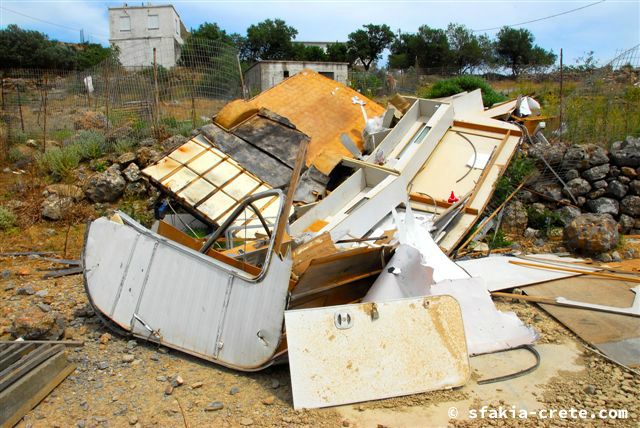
<point x="44" y="108"/>
<point x="20" y="108"/>
<point x="561" y="89"/>
<point x="245" y="94"/>
<point x="107" y="93"/>
<point x="155" y="84"/>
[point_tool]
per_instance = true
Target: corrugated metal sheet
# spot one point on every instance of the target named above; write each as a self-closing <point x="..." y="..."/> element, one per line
<point x="352" y="353"/>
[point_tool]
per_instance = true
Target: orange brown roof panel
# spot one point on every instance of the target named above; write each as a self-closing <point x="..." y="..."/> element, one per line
<point x="318" y="106"/>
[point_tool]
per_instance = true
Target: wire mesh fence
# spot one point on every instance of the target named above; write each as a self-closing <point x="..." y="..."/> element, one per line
<point x="132" y="88"/>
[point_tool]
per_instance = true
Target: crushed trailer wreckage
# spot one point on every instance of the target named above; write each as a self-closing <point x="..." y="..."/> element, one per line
<point x="353" y="261"/>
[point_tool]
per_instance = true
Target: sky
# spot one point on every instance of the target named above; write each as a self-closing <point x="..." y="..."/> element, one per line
<point x="607" y="28"/>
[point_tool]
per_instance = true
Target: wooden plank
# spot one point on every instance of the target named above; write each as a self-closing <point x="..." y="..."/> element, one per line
<point x="27" y="363"/>
<point x="487" y="128"/>
<point x="597" y="328"/>
<point x="416" y="197"/>
<point x="14" y="354"/>
<point x="320" y="246"/>
<point x="29" y="390"/>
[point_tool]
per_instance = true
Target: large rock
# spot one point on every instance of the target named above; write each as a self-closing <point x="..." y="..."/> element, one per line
<point x="90" y="120"/>
<point x="567" y="213"/>
<point x="105" y="186"/>
<point x="596" y="155"/>
<point x="575" y="158"/>
<point x="55" y="207"/>
<point x="552" y="153"/>
<point x="630" y="205"/>
<point x="617" y="189"/>
<point x="626" y="153"/>
<point x="146" y="156"/>
<point x="34" y="323"/>
<point x="634" y="187"/>
<point x="514" y="219"/>
<point x="626" y="223"/>
<point x="551" y="190"/>
<point x="64" y="191"/>
<point x="596" y="173"/>
<point x="591" y="234"/>
<point x="132" y="172"/>
<point x="604" y="206"/>
<point x="173" y="143"/>
<point x="578" y="187"/>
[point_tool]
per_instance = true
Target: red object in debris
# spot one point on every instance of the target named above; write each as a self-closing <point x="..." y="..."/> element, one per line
<point x="452" y="199"/>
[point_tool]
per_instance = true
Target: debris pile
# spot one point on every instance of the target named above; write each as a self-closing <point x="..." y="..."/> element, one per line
<point x="312" y="224"/>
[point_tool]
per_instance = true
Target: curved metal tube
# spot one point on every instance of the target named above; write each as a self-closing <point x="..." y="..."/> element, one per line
<point x="236" y="212"/>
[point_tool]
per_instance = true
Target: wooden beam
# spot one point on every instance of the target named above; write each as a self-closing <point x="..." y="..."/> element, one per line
<point x="417" y="197"/>
<point x="578" y="271"/>
<point x="487" y="128"/>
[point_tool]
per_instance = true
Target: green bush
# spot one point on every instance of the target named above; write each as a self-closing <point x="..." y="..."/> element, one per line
<point x="519" y="169"/>
<point x="59" y="162"/>
<point x="499" y="240"/>
<point x="7" y="218"/>
<point x="544" y="220"/>
<point x="15" y="155"/>
<point x="455" y="85"/>
<point x="19" y="137"/>
<point x="367" y="83"/>
<point x="123" y="146"/>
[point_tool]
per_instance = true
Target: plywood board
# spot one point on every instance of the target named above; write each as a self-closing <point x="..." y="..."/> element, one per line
<point x="617" y="336"/>
<point x="389" y="349"/>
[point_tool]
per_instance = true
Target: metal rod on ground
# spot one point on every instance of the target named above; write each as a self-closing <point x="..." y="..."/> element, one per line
<point x="564" y="185"/>
<point x="293" y="183"/>
<point x="493" y="214"/>
<point x="578" y="271"/>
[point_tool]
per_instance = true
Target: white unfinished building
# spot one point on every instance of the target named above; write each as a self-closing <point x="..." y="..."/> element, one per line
<point x="264" y="74"/>
<point x="137" y="30"/>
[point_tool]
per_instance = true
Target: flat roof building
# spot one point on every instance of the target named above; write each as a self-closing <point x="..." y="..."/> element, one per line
<point x="137" y="30"/>
<point x="264" y="74"/>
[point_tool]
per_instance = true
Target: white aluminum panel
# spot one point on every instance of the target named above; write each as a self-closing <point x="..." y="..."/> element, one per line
<point x="241" y="186"/>
<point x="161" y="169"/>
<point x="222" y="173"/>
<point x="132" y="281"/>
<point x="106" y="260"/>
<point x="180" y="179"/>
<point x="203" y="163"/>
<point x="197" y="191"/>
<point x="391" y="349"/>
<point x="216" y="205"/>
<point x="186" y="152"/>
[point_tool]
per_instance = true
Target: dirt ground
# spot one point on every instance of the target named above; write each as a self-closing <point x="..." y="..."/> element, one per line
<point x="119" y="382"/>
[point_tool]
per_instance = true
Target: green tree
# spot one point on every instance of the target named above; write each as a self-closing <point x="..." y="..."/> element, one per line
<point x="433" y="47"/>
<point x="270" y="39"/>
<point x="404" y="51"/>
<point x="338" y="52"/>
<point x="515" y="50"/>
<point x="204" y="45"/>
<point x="31" y="49"/>
<point x="308" y="53"/>
<point x="92" y="54"/>
<point x="466" y="50"/>
<point x="367" y="45"/>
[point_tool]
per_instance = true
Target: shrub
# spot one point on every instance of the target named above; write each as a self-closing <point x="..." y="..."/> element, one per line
<point x="519" y="169"/>
<point x="7" y="218"/>
<point x="59" y="162"/>
<point x="366" y="83"/>
<point x="499" y="240"/>
<point x="15" y="155"/>
<point x="123" y="146"/>
<point x="455" y="85"/>
<point x="19" y="137"/>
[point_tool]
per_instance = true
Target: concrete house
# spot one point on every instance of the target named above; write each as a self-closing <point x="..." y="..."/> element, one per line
<point x="137" y="30"/>
<point x="264" y="74"/>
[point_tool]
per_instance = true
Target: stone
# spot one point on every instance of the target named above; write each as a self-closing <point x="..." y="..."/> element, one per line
<point x="625" y="223"/>
<point x="244" y="421"/>
<point x="146" y="156"/>
<point x="42" y="293"/>
<point x="5" y="274"/>
<point x="275" y="383"/>
<point x="168" y="390"/>
<point x="172" y="143"/>
<point x="214" y="406"/>
<point x="604" y="258"/>
<point x="624" y="180"/>
<point x="133" y="419"/>
<point x="571" y="174"/>
<point x="104" y="338"/>
<point x="552" y="153"/>
<point x="604" y="206"/>
<point x="269" y="400"/>
<point x="596" y="173"/>
<point x="591" y="234"/>
<point x="628" y="172"/>
<point x="161" y="378"/>
<point x="177" y="381"/>
<point x="90" y="120"/>
<point x="596" y="194"/>
<point x="575" y="158"/>
<point x="64" y="191"/>
<point x="103" y="365"/>
<point x="626" y="153"/>
<point x="578" y="187"/>
<point x="147" y="142"/>
<point x="514" y="219"/>
<point x="137" y="190"/>
<point x="196" y="385"/>
<point x="567" y="213"/>
<point x="131" y="344"/>
<point x="56" y="208"/>
<point x="617" y="189"/>
<point x="131" y="173"/>
<point x="634" y="187"/>
<point x="596" y="155"/>
<point x="549" y="189"/>
<point x="81" y="423"/>
<point x="105" y="186"/>
<point x="630" y="205"/>
<point x="25" y="291"/>
<point x="128" y="358"/>
<point x="126" y="158"/>
<point x="581" y="200"/>
<point x="600" y="184"/>
<point x="615" y="256"/>
<point x="530" y="233"/>
<point x="590" y="389"/>
<point x="234" y="390"/>
<point x="43" y="307"/>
